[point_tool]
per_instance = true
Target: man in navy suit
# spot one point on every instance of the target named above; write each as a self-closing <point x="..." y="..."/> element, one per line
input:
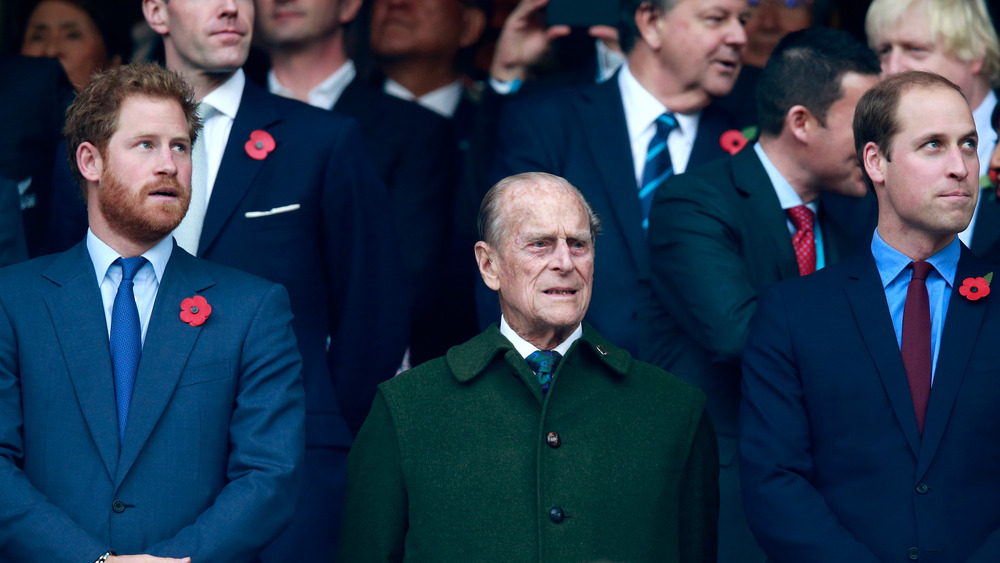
<point x="150" y="402"/>
<point x="721" y="233"/>
<point x="682" y="54"/>
<point x="284" y="190"/>
<point x="869" y="422"/>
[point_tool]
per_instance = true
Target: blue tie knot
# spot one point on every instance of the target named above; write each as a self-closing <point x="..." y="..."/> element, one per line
<point x="543" y="363"/>
<point x="130" y="266"/>
<point x="666" y="123"/>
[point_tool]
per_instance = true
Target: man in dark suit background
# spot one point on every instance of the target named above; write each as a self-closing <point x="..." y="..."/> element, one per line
<point x="869" y="421"/>
<point x="721" y="233"/>
<point x="598" y="136"/>
<point x="413" y="149"/>
<point x="287" y="193"/>
<point x="150" y="402"/>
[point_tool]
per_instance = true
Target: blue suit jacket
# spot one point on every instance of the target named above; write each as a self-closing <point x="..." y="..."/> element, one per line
<point x="581" y="135"/>
<point x="335" y="254"/>
<point x="214" y="441"/>
<point x="833" y="465"/>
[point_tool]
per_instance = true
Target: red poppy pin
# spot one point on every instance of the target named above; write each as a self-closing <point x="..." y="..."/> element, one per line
<point x="734" y="140"/>
<point x="975" y="289"/>
<point x="195" y="310"/>
<point x="260" y="144"/>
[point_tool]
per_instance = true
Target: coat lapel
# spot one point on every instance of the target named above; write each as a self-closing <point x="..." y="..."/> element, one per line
<point x="871" y="311"/>
<point x="165" y="352"/>
<point x="237" y="170"/>
<point x="959" y="337"/>
<point x="603" y="118"/>
<point x="752" y="181"/>
<point x="81" y="327"/>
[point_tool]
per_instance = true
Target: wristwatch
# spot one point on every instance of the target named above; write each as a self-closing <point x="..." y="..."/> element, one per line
<point x="104" y="557"/>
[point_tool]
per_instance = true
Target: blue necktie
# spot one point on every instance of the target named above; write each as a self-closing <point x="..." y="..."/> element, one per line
<point x="543" y="363"/>
<point x="658" y="166"/>
<point x="126" y="339"/>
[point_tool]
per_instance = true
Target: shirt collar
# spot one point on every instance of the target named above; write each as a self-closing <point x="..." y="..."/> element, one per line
<point x="787" y="195"/>
<point x="525" y="348"/>
<point x="103" y="256"/>
<point x="891" y="262"/>
<point x="226" y="98"/>
<point x="608" y="61"/>
<point x="443" y="101"/>
<point x="323" y="95"/>
<point x="642" y="108"/>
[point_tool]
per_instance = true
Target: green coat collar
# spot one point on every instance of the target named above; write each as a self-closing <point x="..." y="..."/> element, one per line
<point x="472" y="358"/>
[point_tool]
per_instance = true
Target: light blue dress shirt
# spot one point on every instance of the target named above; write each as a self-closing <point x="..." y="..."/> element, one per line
<point x="789" y="198"/>
<point x="892" y="267"/>
<point x="145" y="284"/>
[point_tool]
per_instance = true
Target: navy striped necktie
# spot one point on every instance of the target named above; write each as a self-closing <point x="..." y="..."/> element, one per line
<point x="658" y="166"/>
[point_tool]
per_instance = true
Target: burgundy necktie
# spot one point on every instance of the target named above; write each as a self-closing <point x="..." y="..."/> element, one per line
<point x="916" y="341"/>
<point x="804" y="240"/>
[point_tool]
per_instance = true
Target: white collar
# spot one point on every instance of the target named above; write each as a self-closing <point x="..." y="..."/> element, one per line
<point x="642" y="108"/>
<point x="443" y="101"/>
<point x="226" y="98"/>
<point x="987" y="136"/>
<point x="525" y="348"/>
<point x="323" y="95"/>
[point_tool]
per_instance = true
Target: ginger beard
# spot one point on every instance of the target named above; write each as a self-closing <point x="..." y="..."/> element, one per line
<point x="146" y="215"/>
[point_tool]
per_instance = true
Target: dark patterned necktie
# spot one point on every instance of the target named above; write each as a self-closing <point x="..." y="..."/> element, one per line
<point x="543" y="363"/>
<point x="916" y="340"/>
<point x="126" y="339"/>
<point x="658" y="166"/>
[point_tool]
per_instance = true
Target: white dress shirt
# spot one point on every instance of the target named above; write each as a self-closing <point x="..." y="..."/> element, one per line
<point x="525" y="348"/>
<point x="225" y="100"/>
<point x="987" y="142"/>
<point x="443" y="101"/>
<point x="641" y="111"/>
<point x="145" y="284"/>
<point x="325" y="94"/>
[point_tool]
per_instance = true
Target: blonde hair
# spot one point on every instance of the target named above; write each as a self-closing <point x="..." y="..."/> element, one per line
<point x="964" y="26"/>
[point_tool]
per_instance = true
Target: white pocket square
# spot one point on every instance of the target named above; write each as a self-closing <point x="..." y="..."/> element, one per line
<point x="275" y="211"/>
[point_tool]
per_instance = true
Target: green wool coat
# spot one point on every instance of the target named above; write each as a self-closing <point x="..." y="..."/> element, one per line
<point x="462" y="459"/>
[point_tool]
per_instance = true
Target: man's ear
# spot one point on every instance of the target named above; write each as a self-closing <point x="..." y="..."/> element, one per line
<point x="88" y="159"/>
<point x="874" y="162"/>
<point x="155" y="12"/>
<point x="348" y="11"/>
<point x="650" y="25"/>
<point x="799" y="121"/>
<point x="473" y="25"/>
<point x="487" y="265"/>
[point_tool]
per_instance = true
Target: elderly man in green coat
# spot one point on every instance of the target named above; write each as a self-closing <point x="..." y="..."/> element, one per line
<point x="537" y="440"/>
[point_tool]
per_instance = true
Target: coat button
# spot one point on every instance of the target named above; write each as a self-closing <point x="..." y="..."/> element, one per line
<point x="118" y="506"/>
<point x="913" y="553"/>
<point x="556" y="515"/>
<point x="553" y="440"/>
<point x="922" y="488"/>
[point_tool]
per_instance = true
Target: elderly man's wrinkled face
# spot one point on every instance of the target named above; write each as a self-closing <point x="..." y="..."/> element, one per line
<point x="544" y="268"/>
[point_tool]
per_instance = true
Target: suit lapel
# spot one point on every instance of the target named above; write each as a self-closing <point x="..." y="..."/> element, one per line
<point x="752" y="180"/>
<point x="603" y="118"/>
<point x="81" y="327"/>
<point x="958" y="338"/>
<point x="871" y="311"/>
<point x="165" y="352"/>
<point x="237" y="170"/>
<point x="714" y="121"/>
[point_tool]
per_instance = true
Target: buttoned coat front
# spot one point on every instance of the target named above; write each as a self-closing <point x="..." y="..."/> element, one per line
<point x="463" y="459"/>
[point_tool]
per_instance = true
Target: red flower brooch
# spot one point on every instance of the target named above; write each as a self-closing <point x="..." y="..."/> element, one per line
<point x="734" y="140"/>
<point x="260" y="144"/>
<point x="975" y="289"/>
<point x="195" y="310"/>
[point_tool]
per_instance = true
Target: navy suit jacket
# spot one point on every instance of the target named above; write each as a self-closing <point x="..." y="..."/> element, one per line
<point x="581" y="135"/>
<point x="214" y="441"/>
<point x="335" y="253"/>
<point x="833" y="465"/>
